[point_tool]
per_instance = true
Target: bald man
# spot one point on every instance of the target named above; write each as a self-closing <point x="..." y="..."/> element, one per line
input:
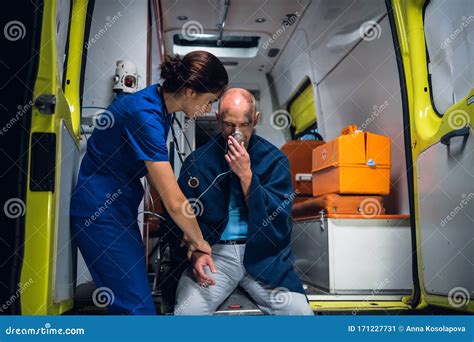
<point x="243" y="203"/>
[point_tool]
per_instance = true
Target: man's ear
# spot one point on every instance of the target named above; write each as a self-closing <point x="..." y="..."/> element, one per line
<point x="256" y="118"/>
<point x="218" y="116"/>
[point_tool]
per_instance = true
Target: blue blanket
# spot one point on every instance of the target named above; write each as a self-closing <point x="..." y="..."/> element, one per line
<point x="268" y="257"/>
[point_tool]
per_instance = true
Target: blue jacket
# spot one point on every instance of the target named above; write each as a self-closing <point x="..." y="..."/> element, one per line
<point x="268" y="256"/>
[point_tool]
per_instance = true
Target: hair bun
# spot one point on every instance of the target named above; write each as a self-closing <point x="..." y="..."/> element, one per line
<point x="200" y="71"/>
<point x="171" y="68"/>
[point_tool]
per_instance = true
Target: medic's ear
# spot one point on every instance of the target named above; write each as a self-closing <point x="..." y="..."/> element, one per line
<point x="188" y="92"/>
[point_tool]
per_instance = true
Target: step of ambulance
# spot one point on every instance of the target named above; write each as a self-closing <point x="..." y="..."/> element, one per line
<point x="354" y="254"/>
<point x="316" y="294"/>
<point x="337" y="204"/>
<point x="238" y="303"/>
<point x="83" y="303"/>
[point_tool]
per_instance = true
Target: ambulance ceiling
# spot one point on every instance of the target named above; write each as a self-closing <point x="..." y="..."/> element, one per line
<point x="191" y="24"/>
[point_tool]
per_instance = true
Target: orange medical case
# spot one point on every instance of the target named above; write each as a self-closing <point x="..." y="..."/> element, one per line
<point x="354" y="163"/>
<point x="299" y="153"/>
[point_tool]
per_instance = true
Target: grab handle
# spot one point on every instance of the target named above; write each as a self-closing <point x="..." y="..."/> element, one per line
<point x="463" y="132"/>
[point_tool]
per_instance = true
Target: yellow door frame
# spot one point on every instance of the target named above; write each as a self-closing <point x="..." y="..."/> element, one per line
<point x="426" y="126"/>
<point x="38" y="267"/>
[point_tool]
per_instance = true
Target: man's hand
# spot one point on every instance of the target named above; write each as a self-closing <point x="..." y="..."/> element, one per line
<point x="200" y="261"/>
<point x="239" y="162"/>
<point x="238" y="159"/>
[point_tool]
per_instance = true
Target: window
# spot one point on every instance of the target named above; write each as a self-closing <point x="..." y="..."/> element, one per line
<point x="302" y="110"/>
<point x="449" y="33"/>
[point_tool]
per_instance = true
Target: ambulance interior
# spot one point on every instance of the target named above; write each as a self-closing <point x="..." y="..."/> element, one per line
<point x="322" y="71"/>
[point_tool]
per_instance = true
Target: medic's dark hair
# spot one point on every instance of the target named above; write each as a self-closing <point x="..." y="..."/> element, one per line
<point x="200" y="71"/>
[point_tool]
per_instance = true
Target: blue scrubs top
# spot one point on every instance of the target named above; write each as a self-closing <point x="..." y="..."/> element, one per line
<point x="133" y="129"/>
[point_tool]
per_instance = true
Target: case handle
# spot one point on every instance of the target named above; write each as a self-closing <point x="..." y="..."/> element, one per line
<point x="351" y="129"/>
<point x="303" y="177"/>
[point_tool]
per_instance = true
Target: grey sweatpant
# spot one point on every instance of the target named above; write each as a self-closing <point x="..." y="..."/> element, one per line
<point x="195" y="299"/>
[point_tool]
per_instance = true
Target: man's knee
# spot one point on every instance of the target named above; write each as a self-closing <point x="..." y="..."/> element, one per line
<point x="189" y="298"/>
<point x="296" y="306"/>
<point x="190" y="307"/>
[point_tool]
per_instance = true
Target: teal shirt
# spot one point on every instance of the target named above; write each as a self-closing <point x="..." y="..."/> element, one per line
<point x="237" y="225"/>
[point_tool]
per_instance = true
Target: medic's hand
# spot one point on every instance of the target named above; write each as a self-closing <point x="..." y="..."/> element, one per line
<point x="199" y="262"/>
<point x="201" y="246"/>
<point x="238" y="158"/>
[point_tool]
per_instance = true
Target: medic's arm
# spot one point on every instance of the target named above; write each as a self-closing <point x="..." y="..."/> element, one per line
<point x="164" y="181"/>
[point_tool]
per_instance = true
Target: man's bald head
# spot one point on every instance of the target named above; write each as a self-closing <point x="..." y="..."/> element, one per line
<point x="237" y="113"/>
<point x="238" y="99"/>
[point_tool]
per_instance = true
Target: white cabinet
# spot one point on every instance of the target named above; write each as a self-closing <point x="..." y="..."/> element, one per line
<point x="354" y="255"/>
